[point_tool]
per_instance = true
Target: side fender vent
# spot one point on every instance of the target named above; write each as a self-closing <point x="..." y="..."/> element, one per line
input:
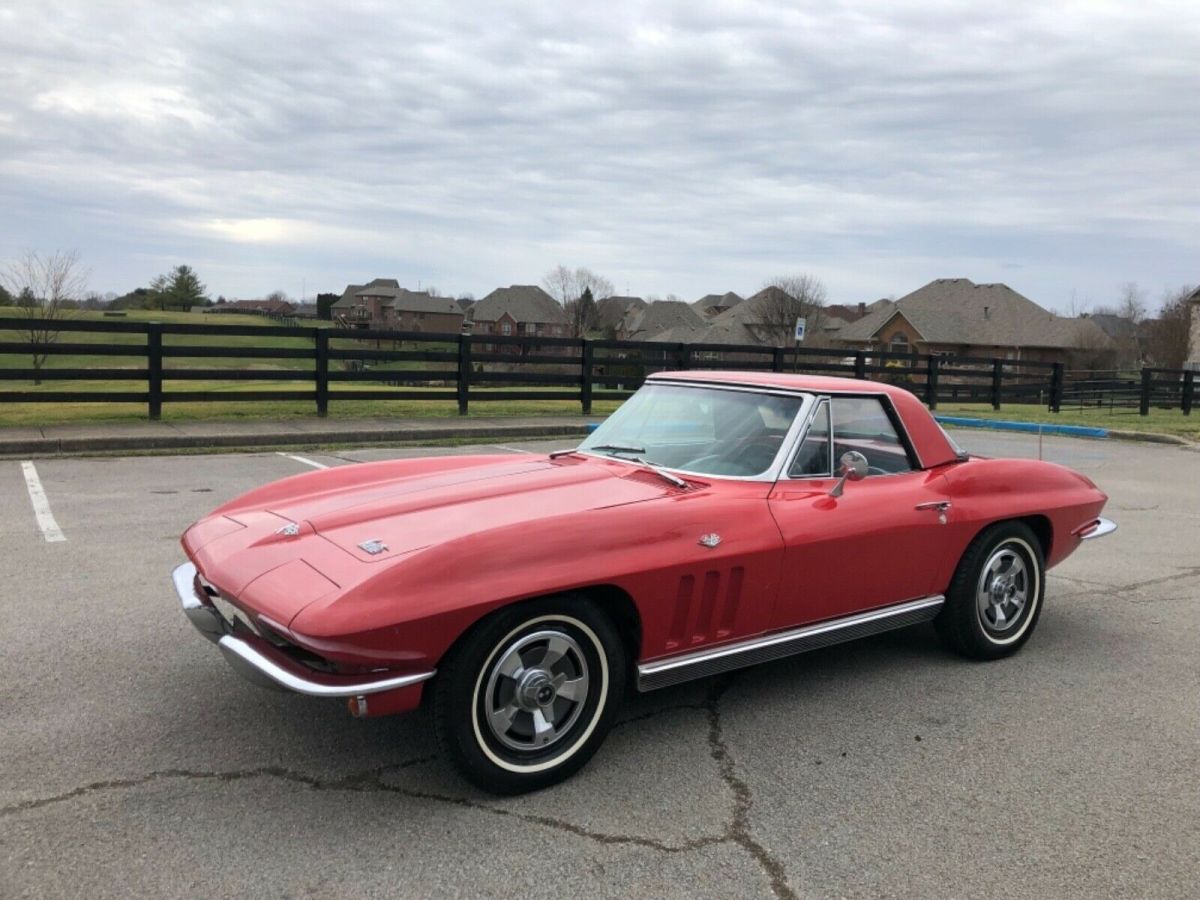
<point x="709" y="613"/>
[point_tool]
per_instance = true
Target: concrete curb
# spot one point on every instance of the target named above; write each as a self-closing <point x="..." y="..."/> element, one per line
<point x="1154" y="437"/>
<point x="108" y="444"/>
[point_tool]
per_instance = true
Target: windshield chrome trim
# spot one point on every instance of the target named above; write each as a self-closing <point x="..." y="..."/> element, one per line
<point x="771" y="475"/>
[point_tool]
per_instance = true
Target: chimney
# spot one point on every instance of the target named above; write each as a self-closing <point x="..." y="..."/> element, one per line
<point x="987" y="312"/>
<point x="862" y="309"/>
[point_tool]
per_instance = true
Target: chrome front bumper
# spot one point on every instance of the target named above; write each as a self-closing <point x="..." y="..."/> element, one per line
<point x="1100" y="528"/>
<point x="259" y="661"/>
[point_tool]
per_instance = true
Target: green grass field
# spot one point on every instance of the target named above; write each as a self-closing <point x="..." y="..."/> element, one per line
<point x="32" y="413"/>
<point x="1160" y="421"/>
<point x="295" y="376"/>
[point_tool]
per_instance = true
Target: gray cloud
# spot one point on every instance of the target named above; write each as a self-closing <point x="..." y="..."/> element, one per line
<point x="687" y="147"/>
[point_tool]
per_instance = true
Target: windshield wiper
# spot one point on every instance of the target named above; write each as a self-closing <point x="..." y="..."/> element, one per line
<point x="618" y="448"/>
<point x="662" y="473"/>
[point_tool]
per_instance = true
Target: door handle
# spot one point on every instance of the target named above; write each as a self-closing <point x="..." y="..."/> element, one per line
<point x="940" y="505"/>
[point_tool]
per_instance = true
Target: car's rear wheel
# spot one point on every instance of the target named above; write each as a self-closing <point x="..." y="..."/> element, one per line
<point x="996" y="596"/>
<point x="528" y="696"/>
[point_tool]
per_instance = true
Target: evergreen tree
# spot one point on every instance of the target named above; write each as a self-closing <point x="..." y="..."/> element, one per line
<point x="184" y="289"/>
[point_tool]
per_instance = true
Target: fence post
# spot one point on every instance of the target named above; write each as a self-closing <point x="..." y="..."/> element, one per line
<point x="685" y="356"/>
<point x="997" y="381"/>
<point x="154" y="367"/>
<point x="931" y="382"/>
<point x="1056" y="386"/>
<point x="585" y="387"/>
<point x="321" y="339"/>
<point x="1144" y="404"/>
<point x="777" y="360"/>
<point x="464" y="372"/>
<point x="1189" y="386"/>
<point x="860" y="365"/>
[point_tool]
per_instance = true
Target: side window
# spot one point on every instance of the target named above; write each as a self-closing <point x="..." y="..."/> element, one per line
<point x="862" y="424"/>
<point x="813" y="456"/>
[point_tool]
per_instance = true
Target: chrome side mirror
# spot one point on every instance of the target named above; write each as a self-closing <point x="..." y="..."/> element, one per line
<point x="853" y="466"/>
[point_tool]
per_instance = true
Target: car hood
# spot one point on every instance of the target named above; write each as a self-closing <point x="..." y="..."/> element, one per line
<point x="405" y="514"/>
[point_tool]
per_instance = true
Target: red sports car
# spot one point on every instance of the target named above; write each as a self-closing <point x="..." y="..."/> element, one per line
<point x="716" y="520"/>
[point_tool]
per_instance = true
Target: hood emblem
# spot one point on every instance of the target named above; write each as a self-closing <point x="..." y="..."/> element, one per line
<point x="709" y="540"/>
<point x="373" y="546"/>
<point x="291" y="529"/>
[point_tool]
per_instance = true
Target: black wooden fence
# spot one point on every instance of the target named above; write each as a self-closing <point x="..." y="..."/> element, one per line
<point x="322" y="365"/>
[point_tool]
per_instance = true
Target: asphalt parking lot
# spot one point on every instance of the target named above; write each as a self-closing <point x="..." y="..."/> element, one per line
<point x="133" y="761"/>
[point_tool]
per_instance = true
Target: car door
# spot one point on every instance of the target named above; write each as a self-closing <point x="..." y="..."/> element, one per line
<point x="880" y="541"/>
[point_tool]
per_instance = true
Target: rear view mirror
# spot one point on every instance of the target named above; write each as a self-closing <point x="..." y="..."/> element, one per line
<point x="853" y="466"/>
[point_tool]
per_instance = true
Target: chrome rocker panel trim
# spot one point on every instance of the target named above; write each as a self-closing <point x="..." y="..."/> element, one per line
<point x="1103" y="526"/>
<point x="258" y="661"/>
<point x="702" y="663"/>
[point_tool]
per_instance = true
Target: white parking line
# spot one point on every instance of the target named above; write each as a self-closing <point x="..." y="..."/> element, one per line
<point x="512" y="449"/>
<point x="41" y="506"/>
<point x="303" y="459"/>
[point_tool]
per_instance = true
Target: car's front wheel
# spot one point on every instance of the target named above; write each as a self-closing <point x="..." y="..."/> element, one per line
<point x="996" y="596"/>
<point x="528" y="696"/>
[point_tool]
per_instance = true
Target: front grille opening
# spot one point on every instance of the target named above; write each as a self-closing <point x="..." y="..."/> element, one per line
<point x="298" y="653"/>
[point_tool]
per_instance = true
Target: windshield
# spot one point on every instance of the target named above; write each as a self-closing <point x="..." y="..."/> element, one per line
<point x="697" y="429"/>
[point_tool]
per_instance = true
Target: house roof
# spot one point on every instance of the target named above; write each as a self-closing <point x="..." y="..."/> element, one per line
<point x="1116" y="327"/>
<point x="843" y="312"/>
<point x="522" y="302"/>
<point x="958" y="311"/>
<point x="740" y="324"/>
<point x="611" y="310"/>
<point x="403" y="300"/>
<point x="660" y="316"/>
<point x="347" y="298"/>
<point x="708" y="301"/>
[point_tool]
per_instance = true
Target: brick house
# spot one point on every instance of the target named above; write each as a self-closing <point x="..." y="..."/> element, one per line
<point x="520" y="310"/>
<point x="384" y="305"/>
<point x="956" y="317"/>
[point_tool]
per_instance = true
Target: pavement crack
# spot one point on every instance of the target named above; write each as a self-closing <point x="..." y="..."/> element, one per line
<point x="738" y="830"/>
<point x="367" y="782"/>
<point x="600" y="837"/>
<point x="1187" y="572"/>
<point x="655" y="713"/>
<point x="349" y="782"/>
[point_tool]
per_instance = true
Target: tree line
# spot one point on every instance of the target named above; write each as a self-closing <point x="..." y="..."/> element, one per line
<point x="50" y="286"/>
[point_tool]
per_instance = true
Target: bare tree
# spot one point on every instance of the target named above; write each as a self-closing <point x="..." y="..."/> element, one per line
<point x="47" y="288"/>
<point x="1166" y="341"/>
<point x="782" y="301"/>
<point x="1130" y="311"/>
<point x="1131" y="303"/>
<point x="1091" y="349"/>
<point x="568" y="286"/>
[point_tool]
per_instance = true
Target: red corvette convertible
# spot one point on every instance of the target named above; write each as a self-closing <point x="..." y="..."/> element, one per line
<point x="716" y="520"/>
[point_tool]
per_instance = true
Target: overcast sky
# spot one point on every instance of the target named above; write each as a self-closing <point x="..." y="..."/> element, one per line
<point x="683" y="148"/>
